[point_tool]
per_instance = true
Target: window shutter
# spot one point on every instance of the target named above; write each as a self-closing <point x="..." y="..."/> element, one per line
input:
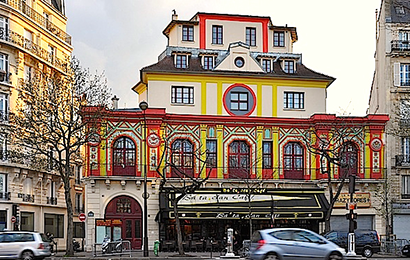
<point x="396" y="79"/>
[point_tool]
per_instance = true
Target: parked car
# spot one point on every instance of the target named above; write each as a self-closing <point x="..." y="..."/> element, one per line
<point x="367" y="242"/>
<point x="406" y="250"/>
<point x="292" y="243"/>
<point x="23" y="245"/>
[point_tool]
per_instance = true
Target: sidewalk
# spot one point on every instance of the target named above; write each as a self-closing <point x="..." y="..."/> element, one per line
<point x="137" y="255"/>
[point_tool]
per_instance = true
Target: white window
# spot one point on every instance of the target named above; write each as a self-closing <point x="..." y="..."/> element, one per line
<point x="267" y="65"/>
<point x="181" y="61"/>
<point x="28" y="73"/>
<point x="3" y="183"/>
<point x="289" y="66"/>
<point x="28" y="186"/>
<point x="52" y="190"/>
<point x="51" y="53"/>
<point x="405" y="187"/>
<point x="4" y="27"/>
<point x="4" y="107"/>
<point x="294" y="100"/>
<point x="3" y="148"/>
<point x="4" y="67"/>
<point x="28" y="39"/>
<point x="182" y="95"/>
<point x="208" y="62"/>
<point x="401" y="74"/>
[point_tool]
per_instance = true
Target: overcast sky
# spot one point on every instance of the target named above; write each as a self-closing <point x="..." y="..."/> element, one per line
<point x="336" y="38"/>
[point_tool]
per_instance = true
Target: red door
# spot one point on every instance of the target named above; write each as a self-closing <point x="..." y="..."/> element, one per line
<point x="129" y="211"/>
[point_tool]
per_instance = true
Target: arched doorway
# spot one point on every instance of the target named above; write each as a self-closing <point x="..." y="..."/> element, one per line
<point x="126" y="215"/>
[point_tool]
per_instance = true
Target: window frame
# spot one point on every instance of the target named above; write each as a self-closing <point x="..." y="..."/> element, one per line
<point x="289" y="66"/>
<point x="211" y="154"/>
<point x="181" y="61"/>
<point x="124" y="156"/>
<point x="404" y="74"/>
<point x="208" y="62"/>
<point x="187" y="33"/>
<point x="4" y="65"/>
<point x="267" y="65"/>
<point x="56" y="229"/>
<point x="295" y="157"/>
<point x="239" y="101"/>
<point x="239" y="151"/>
<point x="4" y="107"/>
<point x="250" y="36"/>
<point x="30" y="217"/>
<point x="279" y="39"/>
<point x="186" y="98"/>
<point x="182" y="157"/>
<point x="4" y="26"/>
<point x="267" y="155"/>
<point x="289" y="100"/>
<point x="217" y="34"/>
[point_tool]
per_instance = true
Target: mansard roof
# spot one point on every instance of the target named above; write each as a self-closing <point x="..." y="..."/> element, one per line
<point x="166" y="65"/>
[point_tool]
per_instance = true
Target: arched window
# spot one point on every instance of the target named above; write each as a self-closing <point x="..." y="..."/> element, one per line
<point x="293" y="161"/>
<point x="182" y="158"/>
<point x="239" y="160"/>
<point x="124" y="157"/>
<point x="348" y="159"/>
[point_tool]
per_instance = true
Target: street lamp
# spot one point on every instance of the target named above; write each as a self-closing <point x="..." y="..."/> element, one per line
<point x="143" y="106"/>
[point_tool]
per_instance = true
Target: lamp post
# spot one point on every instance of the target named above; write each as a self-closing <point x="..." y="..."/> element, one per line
<point x="143" y="106"/>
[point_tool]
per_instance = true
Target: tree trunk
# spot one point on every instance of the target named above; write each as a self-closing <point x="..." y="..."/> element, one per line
<point x="67" y="194"/>
<point x="179" y="231"/>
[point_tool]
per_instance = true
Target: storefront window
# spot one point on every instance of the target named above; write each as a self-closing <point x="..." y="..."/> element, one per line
<point x="54" y="224"/>
<point x="79" y="231"/>
<point x="3" y="220"/>
<point x="27" y="221"/>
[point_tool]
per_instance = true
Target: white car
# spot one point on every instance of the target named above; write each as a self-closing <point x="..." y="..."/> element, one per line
<point x="293" y="243"/>
<point x="23" y="245"/>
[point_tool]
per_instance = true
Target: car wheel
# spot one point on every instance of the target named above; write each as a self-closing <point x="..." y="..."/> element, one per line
<point x="27" y="255"/>
<point x="271" y="256"/>
<point x="335" y="256"/>
<point x="367" y="252"/>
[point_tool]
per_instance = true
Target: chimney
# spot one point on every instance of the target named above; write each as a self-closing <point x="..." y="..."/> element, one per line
<point x="174" y="15"/>
<point x="115" y="102"/>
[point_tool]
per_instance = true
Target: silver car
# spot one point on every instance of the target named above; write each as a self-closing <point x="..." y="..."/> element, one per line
<point x="292" y="243"/>
<point x="23" y="245"/>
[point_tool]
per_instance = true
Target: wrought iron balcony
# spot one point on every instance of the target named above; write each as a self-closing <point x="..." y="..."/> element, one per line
<point x="52" y="200"/>
<point x="19" y="40"/>
<point x="38" y="18"/>
<point x="403" y="160"/>
<point x="399" y="45"/>
<point x="5" y="196"/>
<point x="26" y="197"/>
<point x="78" y="210"/>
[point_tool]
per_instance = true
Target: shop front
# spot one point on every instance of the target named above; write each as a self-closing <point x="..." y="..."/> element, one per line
<point x="209" y="213"/>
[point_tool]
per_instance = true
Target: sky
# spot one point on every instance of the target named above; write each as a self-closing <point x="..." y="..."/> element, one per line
<point x="336" y="38"/>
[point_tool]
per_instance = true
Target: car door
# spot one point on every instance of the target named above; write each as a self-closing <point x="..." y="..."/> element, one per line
<point x="308" y="245"/>
<point x="285" y="244"/>
<point x="7" y="246"/>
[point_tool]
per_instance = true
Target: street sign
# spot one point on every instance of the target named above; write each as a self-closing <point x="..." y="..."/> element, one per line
<point x="13" y="219"/>
<point x="82" y="217"/>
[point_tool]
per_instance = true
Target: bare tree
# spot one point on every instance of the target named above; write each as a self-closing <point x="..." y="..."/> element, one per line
<point x="182" y="168"/>
<point x="52" y="122"/>
<point x="334" y="150"/>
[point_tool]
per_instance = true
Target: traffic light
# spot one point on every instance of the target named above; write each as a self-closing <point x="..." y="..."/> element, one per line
<point x="16" y="210"/>
<point x="352" y="184"/>
<point x="351" y="216"/>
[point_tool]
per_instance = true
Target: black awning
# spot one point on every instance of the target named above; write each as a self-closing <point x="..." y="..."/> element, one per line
<point x="235" y="204"/>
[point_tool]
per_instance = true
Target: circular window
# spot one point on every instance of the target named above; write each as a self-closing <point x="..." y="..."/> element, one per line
<point x="239" y="62"/>
<point x="239" y="100"/>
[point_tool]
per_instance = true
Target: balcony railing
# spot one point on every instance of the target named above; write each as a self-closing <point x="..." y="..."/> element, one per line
<point x="38" y="18"/>
<point x="5" y="196"/>
<point x="26" y="197"/>
<point x="52" y="200"/>
<point x="403" y="160"/>
<point x="399" y="45"/>
<point x="30" y="46"/>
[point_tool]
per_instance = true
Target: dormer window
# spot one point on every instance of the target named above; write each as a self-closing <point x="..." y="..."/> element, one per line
<point x="208" y="62"/>
<point x="289" y="66"/>
<point x="188" y="33"/>
<point x="279" y="39"/>
<point x="181" y="61"/>
<point x="267" y="65"/>
<point x="399" y="10"/>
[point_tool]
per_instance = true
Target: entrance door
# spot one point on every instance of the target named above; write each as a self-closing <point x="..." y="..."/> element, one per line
<point x="128" y="211"/>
